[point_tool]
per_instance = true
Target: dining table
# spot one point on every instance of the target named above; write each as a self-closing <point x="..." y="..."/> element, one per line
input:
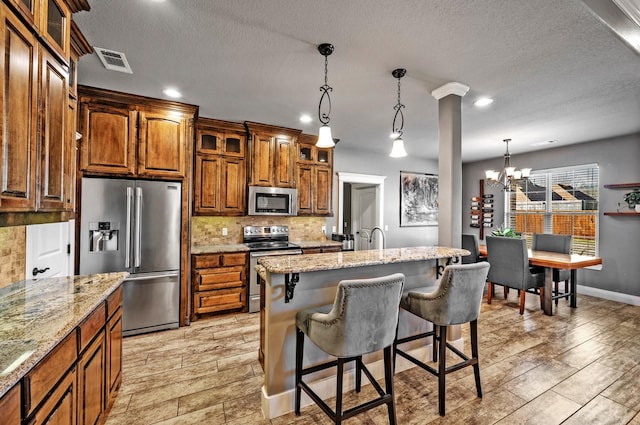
<point x="556" y="260"/>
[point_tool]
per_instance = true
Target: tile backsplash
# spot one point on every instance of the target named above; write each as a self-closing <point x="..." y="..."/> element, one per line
<point x="13" y="244"/>
<point x="208" y="230"/>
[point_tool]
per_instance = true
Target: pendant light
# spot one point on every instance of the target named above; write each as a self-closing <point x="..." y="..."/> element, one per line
<point x="324" y="134"/>
<point x="397" y="150"/>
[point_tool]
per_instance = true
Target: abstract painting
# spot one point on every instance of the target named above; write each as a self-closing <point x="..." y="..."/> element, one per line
<point x="418" y="199"/>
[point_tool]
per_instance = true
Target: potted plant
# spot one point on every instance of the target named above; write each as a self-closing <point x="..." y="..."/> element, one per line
<point x="505" y="232"/>
<point x="632" y="198"/>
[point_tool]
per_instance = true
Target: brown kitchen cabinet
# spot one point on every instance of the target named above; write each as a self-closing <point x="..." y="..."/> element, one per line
<point x="10" y="406"/>
<point x="60" y="407"/>
<point x="272" y="155"/>
<point x="220" y="169"/>
<point x="321" y="249"/>
<point x="91" y="382"/>
<point x="314" y="167"/>
<point x="19" y="97"/>
<point x="219" y="283"/>
<point x="133" y="136"/>
<point x="55" y="144"/>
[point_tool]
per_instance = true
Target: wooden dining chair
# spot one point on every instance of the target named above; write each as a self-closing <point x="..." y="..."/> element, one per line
<point x="509" y="260"/>
<point x="555" y="243"/>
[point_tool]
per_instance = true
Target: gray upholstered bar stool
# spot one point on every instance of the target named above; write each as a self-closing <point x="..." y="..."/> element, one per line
<point x="455" y="301"/>
<point x="363" y="319"/>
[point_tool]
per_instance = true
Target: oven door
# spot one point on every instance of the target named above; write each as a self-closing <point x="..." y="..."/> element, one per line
<point x="254" y="282"/>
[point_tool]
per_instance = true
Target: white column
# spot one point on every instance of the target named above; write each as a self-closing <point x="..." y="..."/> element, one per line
<point x="449" y="98"/>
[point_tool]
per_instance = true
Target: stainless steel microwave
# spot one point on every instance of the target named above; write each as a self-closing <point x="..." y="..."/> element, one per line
<point x="272" y="201"/>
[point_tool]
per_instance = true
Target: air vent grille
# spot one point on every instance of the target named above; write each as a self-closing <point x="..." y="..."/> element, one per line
<point x="115" y="61"/>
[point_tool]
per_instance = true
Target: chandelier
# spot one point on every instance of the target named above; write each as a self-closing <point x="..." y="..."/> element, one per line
<point x="324" y="134"/>
<point x="397" y="150"/>
<point x="509" y="176"/>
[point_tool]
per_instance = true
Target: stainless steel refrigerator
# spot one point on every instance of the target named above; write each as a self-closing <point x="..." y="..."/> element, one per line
<point x="134" y="226"/>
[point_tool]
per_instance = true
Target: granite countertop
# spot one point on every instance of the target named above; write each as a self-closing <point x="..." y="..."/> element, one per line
<point x="348" y="259"/>
<point x="37" y="314"/>
<point x="216" y="249"/>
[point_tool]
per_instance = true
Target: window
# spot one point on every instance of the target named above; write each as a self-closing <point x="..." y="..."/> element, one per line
<point x="560" y="200"/>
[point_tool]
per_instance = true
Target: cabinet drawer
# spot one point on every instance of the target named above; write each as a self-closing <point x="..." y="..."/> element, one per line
<point x="44" y="376"/>
<point x="206" y="261"/>
<point x="91" y="326"/>
<point x="211" y="279"/>
<point x="223" y="299"/>
<point x="239" y="259"/>
<point x="10" y="406"/>
<point x="114" y="301"/>
<point x="60" y="407"/>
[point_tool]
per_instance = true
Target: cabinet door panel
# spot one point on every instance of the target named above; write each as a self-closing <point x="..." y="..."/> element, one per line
<point x="10" y="406"/>
<point x="19" y="64"/>
<point x="161" y="145"/>
<point x="114" y="357"/>
<point x="53" y="143"/>
<point x="91" y="388"/>
<point x="305" y="190"/>
<point x="322" y="186"/>
<point x="207" y="182"/>
<point x="60" y="406"/>
<point x="262" y="160"/>
<point x="109" y="135"/>
<point x="284" y="162"/>
<point x="233" y="186"/>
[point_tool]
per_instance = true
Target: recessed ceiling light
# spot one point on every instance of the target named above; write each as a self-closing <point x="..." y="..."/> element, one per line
<point x="483" y="101"/>
<point x="546" y="142"/>
<point x="172" y="93"/>
<point x="305" y="118"/>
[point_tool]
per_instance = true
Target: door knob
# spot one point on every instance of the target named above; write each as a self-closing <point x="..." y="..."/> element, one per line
<point x="36" y="270"/>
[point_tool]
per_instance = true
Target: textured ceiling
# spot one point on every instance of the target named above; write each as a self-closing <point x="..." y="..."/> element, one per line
<point x="555" y="70"/>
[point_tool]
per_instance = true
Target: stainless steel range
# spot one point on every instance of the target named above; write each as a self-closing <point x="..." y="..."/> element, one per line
<point x="264" y="241"/>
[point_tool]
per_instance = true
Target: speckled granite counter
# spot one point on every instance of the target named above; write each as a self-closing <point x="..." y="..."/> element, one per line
<point x="35" y="315"/>
<point x="215" y="249"/>
<point x="349" y="259"/>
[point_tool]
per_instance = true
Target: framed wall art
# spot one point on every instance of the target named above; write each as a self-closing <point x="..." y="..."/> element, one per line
<point x="418" y="199"/>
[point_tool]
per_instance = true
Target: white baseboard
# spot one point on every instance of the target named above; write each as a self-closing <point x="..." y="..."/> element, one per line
<point x="283" y="403"/>
<point x="609" y="295"/>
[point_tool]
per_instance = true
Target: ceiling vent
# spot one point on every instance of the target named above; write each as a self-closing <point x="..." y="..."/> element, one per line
<point x="115" y="61"/>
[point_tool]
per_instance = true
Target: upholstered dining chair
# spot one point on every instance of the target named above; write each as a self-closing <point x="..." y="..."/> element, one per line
<point x="456" y="300"/>
<point x="470" y="243"/>
<point x="555" y="243"/>
<point x="363" y="319"/>
<point x="509" y="261"/>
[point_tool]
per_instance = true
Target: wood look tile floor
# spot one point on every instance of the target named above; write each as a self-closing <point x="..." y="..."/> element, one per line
<point x="581" y="366"/>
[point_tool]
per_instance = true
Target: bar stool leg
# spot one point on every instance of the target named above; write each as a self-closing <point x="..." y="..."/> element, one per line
<point x="442" y="367"/>
<point x="299" y="351"/>
<point x="388" y="380"/>
<point x="434" y="351"/>
<point x="358" y="374"/>
<point x="474" y="354"/>
<point x="339" y="377"/>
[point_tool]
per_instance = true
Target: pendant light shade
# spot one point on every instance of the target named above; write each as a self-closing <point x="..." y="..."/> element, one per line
<point x="397" y="150"/>
<point x="324" y="137"/>
<point x="324" y="134"/>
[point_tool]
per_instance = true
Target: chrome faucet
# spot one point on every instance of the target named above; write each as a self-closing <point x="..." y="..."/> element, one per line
<point x="368" y="237"/>
<point x="381" y="232"/>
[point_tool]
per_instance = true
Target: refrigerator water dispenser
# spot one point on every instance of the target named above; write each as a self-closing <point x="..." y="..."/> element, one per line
<point x="103" y="236"/>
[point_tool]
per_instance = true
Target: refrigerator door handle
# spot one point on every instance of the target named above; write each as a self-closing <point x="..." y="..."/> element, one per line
<point x="127" y="245"/>
<point x="153" y="276"/>
<point x="138" y="229"/>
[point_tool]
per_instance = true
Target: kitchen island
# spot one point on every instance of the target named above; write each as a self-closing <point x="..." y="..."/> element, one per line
<point x="60" y="347"/>
<point x="294" y="283"/>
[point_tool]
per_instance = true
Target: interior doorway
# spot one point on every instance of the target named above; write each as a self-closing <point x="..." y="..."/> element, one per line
<point x="360" y="203"/>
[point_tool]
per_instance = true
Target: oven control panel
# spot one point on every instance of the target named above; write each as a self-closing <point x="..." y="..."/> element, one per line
<point x="262" y="231"/>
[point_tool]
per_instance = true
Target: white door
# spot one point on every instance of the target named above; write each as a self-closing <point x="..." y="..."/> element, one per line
<point x="364" y="214"/>
<point x="48" y="250"/>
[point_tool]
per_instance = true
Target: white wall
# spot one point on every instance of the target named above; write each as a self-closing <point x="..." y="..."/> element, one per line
<point x="352" y="161"/>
